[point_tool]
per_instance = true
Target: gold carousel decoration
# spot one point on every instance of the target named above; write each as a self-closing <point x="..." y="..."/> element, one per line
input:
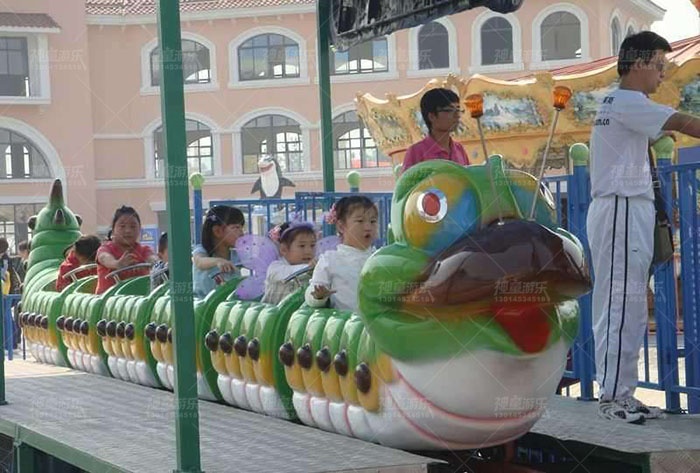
<point x="517" y="113"/>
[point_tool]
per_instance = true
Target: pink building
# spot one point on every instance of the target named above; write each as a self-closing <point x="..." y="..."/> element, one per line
<point x="80" y="97"/>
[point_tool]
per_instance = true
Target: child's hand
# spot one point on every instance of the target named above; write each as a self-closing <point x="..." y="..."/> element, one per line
<point x="225" y="266"/>
<point x="127" y="259"/>
<point x="321" y="292"/>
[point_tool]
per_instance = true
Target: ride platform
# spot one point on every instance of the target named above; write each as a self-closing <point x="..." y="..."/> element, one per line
<point x="104" y="425"/>
<point x="571" y="433"/>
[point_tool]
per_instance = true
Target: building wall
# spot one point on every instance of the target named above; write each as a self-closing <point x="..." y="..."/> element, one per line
<point x="103" y="112"/>
<point x="59" y="124"/>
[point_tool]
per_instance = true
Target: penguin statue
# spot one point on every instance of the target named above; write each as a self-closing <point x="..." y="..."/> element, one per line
<point x="271" y="182"/>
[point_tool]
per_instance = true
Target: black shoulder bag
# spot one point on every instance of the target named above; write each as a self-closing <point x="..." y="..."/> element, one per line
<point x="663" y="231"/>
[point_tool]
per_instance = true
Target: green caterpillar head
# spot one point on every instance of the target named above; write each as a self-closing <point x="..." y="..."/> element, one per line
<point x="455" y="278"/>
<point x="54" y="228"/>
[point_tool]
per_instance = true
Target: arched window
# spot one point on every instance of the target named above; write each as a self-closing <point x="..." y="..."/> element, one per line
<point x="268" y="56"/>
<point x="433" y="46"/>
<point x="20" y="159"/>
<point x="196" y="63"/>
<point x="630" y="31"/>
<point x="13" y="222"/>
<point x="560" y="36"/>
<point x="353" y="146"/>
<point x="274" y="135"/>
<point x="496" y="42"/>
<point x="200" y="149"/>
<point x="615" y="36"/>
<point x="370" y="56"/>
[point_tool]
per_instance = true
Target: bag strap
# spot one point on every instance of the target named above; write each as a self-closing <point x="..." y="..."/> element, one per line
<point x="659" y="201"/>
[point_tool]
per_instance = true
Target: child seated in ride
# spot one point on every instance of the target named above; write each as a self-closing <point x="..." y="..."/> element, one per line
<point x="297" y="245"/>
<point x="122" y="249"/>
<point x="159" y="270"/>
<point x="80" y="253"/>
<point x="337" y="272"/>
<point x="222" y="226"/>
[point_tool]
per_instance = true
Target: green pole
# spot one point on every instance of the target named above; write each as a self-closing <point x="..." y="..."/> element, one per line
<point x="323" y="18"/>
<point x="176" y="189"/>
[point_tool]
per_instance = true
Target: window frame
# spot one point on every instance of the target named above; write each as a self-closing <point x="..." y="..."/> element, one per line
<point x="537" y="63"/>
<point x="146" y="85"/>
<point x="414" y="52"/>
<point x="476" y="60"/>
<point x="363" y="128"/>
<point x="38" y="64"/>
<point x="235" y="81"/>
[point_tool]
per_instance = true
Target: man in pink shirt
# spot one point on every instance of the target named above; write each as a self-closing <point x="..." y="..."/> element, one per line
<point x="441" y="112"/>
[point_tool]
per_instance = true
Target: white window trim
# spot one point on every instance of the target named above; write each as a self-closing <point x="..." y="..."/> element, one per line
<point x="149" y="147"/>
<point x="39" y="65"/>
<point x="536" y="61"/>
<point x="42" y="144"/>
<point x="237" y="139"/>
<point x="516" y="65"/>
<point x="235" y="81"/>
<point x="391" y="74"/>
<point x="616" y="15"/>
<point x="414" y="53"/>
<point x="148" y="89"/>
<point x="341" y="173"/>
<point x="631" y="23"/>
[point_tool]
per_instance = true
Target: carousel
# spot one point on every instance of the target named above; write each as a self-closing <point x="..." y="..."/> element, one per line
<point x="517" y="117"/>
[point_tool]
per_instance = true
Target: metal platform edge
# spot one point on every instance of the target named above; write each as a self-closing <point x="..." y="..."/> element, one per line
<point x="23" y="436"/>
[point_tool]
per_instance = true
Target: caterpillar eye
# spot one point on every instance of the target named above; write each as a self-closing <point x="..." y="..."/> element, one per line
<point x="432" y="205"/>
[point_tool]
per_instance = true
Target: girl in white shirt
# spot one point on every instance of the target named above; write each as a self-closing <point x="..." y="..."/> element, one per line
<point x="337" y="273"/>
<point x="297" y="243"/>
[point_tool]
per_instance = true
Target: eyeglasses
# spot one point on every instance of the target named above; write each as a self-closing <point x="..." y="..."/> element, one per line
<point x="450" y="110"/>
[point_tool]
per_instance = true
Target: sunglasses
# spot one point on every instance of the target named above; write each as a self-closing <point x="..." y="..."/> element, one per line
<point x="450" y="110"/>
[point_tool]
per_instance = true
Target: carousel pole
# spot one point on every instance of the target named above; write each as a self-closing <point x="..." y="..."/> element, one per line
<point x="172" y="101"/>
<point x="561" y="98"/>
<point x="475" y="104"/>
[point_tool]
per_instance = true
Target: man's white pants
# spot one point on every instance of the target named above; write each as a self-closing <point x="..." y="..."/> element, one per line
<point x="621" y="237"/>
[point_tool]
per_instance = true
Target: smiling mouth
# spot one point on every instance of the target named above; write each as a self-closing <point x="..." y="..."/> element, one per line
<point x="265" y="167"/>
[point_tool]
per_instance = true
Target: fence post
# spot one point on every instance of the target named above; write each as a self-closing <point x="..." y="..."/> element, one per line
<point x="665" y="311"/>
<point x="579" y="200"/>
<point x="196" y="181"/>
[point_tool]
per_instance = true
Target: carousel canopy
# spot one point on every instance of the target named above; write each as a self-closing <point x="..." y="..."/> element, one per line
<point x="518" y="113"/>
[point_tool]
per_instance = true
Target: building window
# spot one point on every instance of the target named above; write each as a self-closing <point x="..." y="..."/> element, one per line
<point x="630" y="31"/>
<point x="561" y="36"/>
<point x="276" y="136"/>
<point x="196" y="63"/>
<point x="496" y="42"/>
<point x="20" y="159"/>
<point x="268" y="56"/>
<point x="13" y="222"/>
<point x="354" y="147"/>
<point x="14" y="67"/>
<point x="433" y="47"/>
<point x="364" y="58"/>
<point x="615" y="34"/>
<point x="200" y="149"/>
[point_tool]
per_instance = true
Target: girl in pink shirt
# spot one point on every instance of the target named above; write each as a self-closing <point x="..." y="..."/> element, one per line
<point x="441" y="112"/>
<point x="122" y="250"/>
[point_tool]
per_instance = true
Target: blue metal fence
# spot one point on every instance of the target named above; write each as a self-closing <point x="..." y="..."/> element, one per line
<point x="673" y="354"/>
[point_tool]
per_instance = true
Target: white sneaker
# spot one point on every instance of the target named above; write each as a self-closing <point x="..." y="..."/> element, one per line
<point x="632" y="404"/>
<point x="613" y="410"/>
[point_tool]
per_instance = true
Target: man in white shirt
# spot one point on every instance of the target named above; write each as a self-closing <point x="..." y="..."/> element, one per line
<point x="621" y="219"/>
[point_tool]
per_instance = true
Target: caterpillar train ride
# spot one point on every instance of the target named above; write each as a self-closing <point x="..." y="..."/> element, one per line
<point x="471" y="305"/>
